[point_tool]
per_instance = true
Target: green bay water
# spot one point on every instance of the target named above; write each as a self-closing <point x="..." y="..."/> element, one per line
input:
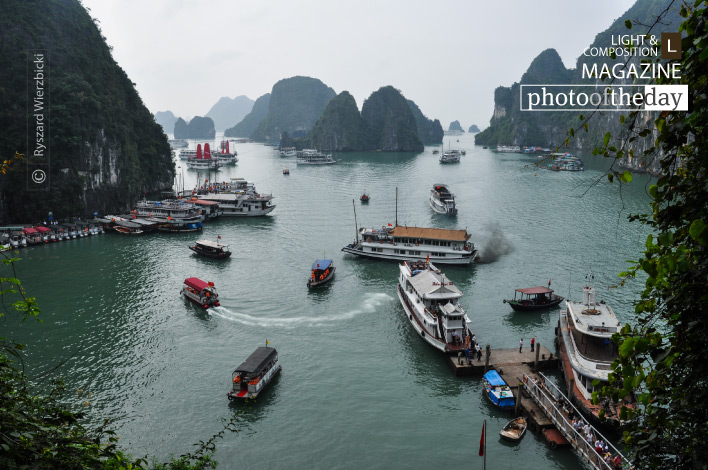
<point x="358" y="389"/>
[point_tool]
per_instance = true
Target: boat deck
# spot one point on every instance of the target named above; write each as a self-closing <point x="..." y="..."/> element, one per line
<point x="593" y="348"/>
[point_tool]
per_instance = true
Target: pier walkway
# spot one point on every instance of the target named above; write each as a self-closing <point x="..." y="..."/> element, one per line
<point x="501" y="358"/>
<point x="551" y="401"/>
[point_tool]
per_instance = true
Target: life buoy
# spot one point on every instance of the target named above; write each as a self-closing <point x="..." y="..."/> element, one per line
<point x="321" y="276"/>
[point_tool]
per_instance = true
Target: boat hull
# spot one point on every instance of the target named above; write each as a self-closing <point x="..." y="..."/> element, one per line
<point x="415" y="323"/>
<point x="521" y="307"/>
<point x="514" y="430"/>
<point x="468" y="259"/>
<point x="245" y="394"/>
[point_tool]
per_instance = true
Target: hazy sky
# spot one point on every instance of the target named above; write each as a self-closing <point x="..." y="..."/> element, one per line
<point x="447" y="56"/>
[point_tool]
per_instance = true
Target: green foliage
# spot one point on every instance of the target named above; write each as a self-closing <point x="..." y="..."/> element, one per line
<point x="295" y="105"/>
<point x="94" y="109"/>
<point x="389" y="122"/>
<point x="429" y="132"/>
<point x="340" y="127"/>
<point x="662" y="355"/>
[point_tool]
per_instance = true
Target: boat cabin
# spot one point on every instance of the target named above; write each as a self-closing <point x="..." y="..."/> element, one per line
<point x="534" y="298"/>
<point x="211" y="249"/>
<point x="251" y="377"/>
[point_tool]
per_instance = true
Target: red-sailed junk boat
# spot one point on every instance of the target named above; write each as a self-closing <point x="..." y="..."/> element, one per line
<point x="200" y="292"/>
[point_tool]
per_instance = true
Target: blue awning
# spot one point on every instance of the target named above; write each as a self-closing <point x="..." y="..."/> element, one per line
<point x="494" y="378"/>
<point x="321" y="264"/>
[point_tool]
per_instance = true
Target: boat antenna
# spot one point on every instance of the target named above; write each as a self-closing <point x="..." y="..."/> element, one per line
<point x="356" y="226"/>
<point x="396" y="206"/>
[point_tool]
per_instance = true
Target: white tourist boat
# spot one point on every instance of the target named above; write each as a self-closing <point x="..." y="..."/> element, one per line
<point x="187" y="153"/>
<point x="450" y="157"/>
<point x="508" y="148"/>
<point x="402" y="243"/>
<point x="203" y="163"/>
<point x="431" y="303"/>
<point x="178" y="143"/>
<point x="171" y="215"/>
<point x="224" y="155"/>
<point x="313" y="157"/>
<point x="442" y="200"/>
<point x="584" y="334"/>
<point x="288" y="152"/>
<point x="237" y="198"/>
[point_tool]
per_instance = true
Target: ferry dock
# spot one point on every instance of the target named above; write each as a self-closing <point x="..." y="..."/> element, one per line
<point x="503" y="360"/>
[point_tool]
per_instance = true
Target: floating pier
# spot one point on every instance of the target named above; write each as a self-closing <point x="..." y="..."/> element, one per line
<point x="503" y="360"/>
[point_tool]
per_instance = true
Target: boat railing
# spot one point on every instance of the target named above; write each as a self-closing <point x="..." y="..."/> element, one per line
<point x="547" y="395"/>
<point x="589" y="364"/>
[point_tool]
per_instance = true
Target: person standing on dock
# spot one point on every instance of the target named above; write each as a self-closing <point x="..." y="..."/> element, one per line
<point x="521" y="345"/>
<point x="479" y="352"/>
<point x="533" y="342"/>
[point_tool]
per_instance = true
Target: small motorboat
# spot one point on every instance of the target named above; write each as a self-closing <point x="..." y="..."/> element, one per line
<point x="322" y="272"/>
<point x="127" y="231"/>
<point x="435" y="152"/>
<point x="365" y="197"/>
<point x="200" y="292"/>
<point x="211" y="249"/>
<point x="514" y="429"/>
<point x="286" y="171"/>
<point x="251" y="377"/>
<point x="533" y="299"/>
<point x="498" y="392"/>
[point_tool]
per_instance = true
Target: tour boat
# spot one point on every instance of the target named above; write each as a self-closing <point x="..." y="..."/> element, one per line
<point x="401" y="243"/>
<point x="322" y="272"/>
<point x="288" y="152"/>
<point x="514" y="430"/>
<point x="211" y="249"/>
<point x="127" y="228"/>
<point x="186" y="154"/>
<point x="365" y="197"/>
<point x="254" y="374"/>
<point x="442" y="200"/>
<point x="237" y="198"/>
<point x="178" y="143"/>
<point x="200" y="292"/>
<point x="498" y="391"/>
<point x="171" y="215"/>
<point x="584" y="336"/>
<point x="450" y="157"/>
<point x="224" y="156"/>
<point x="533" y="299"/>
<point x="431" y="304"/>
<point x="508" y="148"/>
<point x="313" y="157"/>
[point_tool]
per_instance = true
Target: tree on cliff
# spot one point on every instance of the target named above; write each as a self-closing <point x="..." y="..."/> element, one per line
<point x="662" y="357"/>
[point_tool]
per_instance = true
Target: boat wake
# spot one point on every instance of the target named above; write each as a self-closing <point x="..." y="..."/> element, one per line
<point x="494" y="244"/>
<point x="371" y="302"/>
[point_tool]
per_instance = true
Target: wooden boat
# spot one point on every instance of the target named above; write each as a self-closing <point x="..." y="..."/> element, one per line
<point x="533" y="299"/>
<point x="514" y="430"/>
<point x="498" y="392"/>
<point x="365" y="197"/>
<point x="254" y="374"/>
<point x="200" y="292"/>
<point x="322" y="272"/>
<point x="286" y="171"/>
<point x="211" y="249"/>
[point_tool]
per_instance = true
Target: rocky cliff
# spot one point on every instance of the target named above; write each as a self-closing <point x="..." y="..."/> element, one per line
<point x="295" y="105"/>
<point x="509" y="125"/>
<point x="455" y="126"/>
<point x="250" y="122"/>
<point x="390" y="124"/>
<point x="473" y="128"/>
<point x="105" y="148"/>
<point x="429" y="131"/>
<point x="228" y="112"/>
<point x="198" y="128"/>
<point x="339" y="128"/>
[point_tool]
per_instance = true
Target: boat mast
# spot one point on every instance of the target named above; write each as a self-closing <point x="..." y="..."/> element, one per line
<point x="356" y="226"/>
<point x="396" y="206"/>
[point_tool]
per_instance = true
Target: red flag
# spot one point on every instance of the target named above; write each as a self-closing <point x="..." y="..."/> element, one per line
<point x="390" y="225"/>
<point x="219" y="237"/>
<point x="481" y="440"/>
<point x="427" y="258"/>
<point x="549" y="283"/>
